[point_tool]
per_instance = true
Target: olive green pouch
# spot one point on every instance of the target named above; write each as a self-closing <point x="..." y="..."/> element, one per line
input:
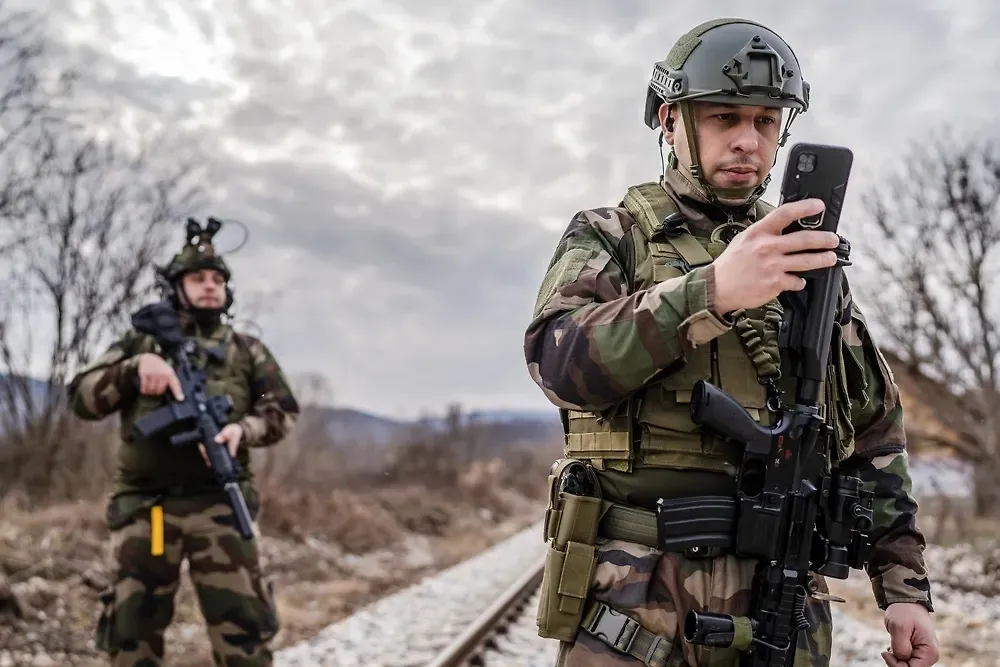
<point x="571" y="523"/>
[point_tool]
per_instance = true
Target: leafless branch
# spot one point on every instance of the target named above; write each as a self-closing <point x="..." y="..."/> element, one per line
<point x="934" y="242"/>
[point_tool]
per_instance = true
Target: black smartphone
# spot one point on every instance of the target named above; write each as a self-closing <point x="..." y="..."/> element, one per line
<point x="817" y="171"/>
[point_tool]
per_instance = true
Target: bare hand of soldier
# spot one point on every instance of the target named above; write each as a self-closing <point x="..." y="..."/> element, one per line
<point x="232" y="435"/>
<point x="911" y="630"/>
<point x="155" y="375"/>
<point x="758" y="264"/>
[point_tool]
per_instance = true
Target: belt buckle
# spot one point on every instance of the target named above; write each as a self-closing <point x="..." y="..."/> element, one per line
<point x="615" y="628"/>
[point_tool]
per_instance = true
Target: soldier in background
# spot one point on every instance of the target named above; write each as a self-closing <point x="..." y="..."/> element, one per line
<point x="679" y="283"/>
<point x="166" y="505"/>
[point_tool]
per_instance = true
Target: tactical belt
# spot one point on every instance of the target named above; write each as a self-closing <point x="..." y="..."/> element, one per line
<point x="698" y="526"/>
<point x="624" y="634"/>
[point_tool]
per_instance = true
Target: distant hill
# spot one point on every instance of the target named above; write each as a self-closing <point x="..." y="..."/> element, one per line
<point x="515" y="426"/>
<point x="352" y="424"/>
<point x="933" y="473"/>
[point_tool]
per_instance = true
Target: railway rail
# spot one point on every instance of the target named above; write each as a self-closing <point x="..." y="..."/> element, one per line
<point x="478" y="612"/>
<point x="467" y="650"/>
<point x="481" y="613"/>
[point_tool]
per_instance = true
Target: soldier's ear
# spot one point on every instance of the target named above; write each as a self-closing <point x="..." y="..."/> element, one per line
<point x="667" y="120"/>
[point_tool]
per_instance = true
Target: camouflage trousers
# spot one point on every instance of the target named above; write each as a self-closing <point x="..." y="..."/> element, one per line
<point x="657" y="590"/>
<point x="236" y="603"/>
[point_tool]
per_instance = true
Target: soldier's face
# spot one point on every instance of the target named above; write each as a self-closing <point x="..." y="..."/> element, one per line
<point x="736" y="144"/>
<point x="205" y="288"/>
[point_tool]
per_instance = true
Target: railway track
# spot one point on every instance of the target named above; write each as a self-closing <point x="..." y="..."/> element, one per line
<point x="471" y="647"/>
<point x="481" y="613"/>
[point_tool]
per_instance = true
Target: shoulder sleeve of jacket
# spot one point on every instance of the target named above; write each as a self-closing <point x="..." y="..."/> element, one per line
<point x="877" y="420"/>
<point x="896" y="565"/>
<point x="108" y="383"/>
<point x="593" y="340"/>
<point x="274" y="409"/>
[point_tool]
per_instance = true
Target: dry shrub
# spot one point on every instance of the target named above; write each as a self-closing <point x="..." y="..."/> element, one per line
<point x="37" y="472"/>
<point x="54" y="543"/>
<point x="418" y="509"/>
<point x="356" y="522"/>
<point x="360" y="496"/>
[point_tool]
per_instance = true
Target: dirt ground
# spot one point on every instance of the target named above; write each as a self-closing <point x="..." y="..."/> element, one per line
<point x="965" y="586"/>
<point x="54" y="563"/>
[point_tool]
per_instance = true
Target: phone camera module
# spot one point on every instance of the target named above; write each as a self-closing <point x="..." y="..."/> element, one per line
<point x="807" y="163"/>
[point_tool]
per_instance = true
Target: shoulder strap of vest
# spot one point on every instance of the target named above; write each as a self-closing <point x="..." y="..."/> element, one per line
<point x="242" y="343"/>
<point x="650" y="205"/>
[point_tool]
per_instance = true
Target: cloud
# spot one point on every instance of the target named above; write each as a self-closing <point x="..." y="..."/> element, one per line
<point x="406" y="168"/>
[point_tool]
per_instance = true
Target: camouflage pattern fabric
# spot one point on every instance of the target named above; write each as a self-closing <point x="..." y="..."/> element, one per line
<point x="658" y="589"/>
<point x="236" y="602"/>
<point x="594" y="341"/>
<point x="896" y="566"/>
<point x="198" y="525"/>
<point x="242" y="367"/>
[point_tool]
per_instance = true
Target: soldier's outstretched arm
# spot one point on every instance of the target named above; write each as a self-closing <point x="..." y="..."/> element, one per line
<point x="591" y="342"/>
<point x="896" y="567"/>
<point x="107" y="384"/>
<point x="273" y="410"/>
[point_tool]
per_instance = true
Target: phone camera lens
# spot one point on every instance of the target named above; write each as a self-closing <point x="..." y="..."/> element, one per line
<point x="807" y="163"/>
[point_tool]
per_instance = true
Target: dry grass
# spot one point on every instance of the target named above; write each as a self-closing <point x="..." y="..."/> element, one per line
<point x="341" y="527"/>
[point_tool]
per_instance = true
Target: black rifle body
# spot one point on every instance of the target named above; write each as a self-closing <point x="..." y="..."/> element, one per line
<point x="199" y="417"/>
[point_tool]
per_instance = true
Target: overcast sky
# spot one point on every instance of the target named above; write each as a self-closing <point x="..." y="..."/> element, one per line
<point x="406" y="168"/>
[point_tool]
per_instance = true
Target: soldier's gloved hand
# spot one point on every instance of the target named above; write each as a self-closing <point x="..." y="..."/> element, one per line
<point x="911" y="630"/>
<point x="155" y="375"/>
<point x="232" y="435"/>
<point x="758" y="264"/>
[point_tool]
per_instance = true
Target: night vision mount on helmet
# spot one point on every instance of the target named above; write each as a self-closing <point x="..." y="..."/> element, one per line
<point x="727" y="61"/>
<point x="199" y="253"/>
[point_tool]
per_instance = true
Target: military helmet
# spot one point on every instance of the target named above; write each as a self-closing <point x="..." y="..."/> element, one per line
<point x="729" y="61"/>
<point x="198" y="252"/>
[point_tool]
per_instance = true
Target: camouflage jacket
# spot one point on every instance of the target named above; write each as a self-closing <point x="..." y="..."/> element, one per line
<point x="593" y="342"/>
<point x="263" y="404"/>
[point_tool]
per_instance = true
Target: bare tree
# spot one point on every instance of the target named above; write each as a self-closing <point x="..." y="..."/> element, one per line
<point x="34" y="95"/>
<point x="98" y="216"/>
<point x="934" y="245"/>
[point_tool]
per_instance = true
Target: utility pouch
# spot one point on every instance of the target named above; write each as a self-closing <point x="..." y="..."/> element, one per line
<point x="699" y="526"/>
<point x="571" y="522"/>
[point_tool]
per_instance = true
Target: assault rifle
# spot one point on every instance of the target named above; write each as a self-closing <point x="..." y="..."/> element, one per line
<point x="792" y="514"/>
<point x="199" y="417"/>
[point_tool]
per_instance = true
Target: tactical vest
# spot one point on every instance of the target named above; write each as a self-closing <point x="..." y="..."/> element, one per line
<point x="653" y="427"/>
<point x="229" y="371"/>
